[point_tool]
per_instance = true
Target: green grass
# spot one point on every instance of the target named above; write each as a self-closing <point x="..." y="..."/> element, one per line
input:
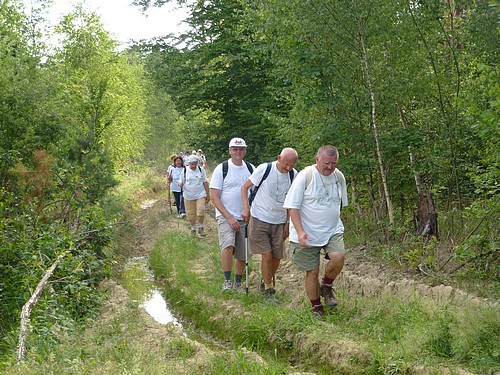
<point x="381" y="335"/>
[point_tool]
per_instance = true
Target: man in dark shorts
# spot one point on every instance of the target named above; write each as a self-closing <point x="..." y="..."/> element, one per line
<point x="267" y="219"/>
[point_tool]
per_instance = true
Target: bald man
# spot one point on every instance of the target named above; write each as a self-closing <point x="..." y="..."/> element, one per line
<point x="267" y="219"/>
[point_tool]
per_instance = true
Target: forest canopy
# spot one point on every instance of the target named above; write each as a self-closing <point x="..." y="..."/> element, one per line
<point x="408" y="91"/>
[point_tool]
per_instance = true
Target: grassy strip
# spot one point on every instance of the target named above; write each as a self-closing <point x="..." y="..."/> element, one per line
<point x="372" y="335"/>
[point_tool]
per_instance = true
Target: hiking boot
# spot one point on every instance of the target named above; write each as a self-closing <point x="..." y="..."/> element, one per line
<point x="227" y="285"/>
<point x="193" y="232"/>
<point x="262" y="287"/>
<point x="201" y="232"/>
<point x="270" y="294"/>
<point x="318" y="311"/>
<point x="327" y="293"/>
<point x="238" y="287"/>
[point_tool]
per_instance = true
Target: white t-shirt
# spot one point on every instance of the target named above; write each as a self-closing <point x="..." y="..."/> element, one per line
<point x="176" y="173"/>
<point x="230" y="187"/>
<point x="267" y="205"/>
<point x="318" y="204"/>
<point x="193" y="184"/>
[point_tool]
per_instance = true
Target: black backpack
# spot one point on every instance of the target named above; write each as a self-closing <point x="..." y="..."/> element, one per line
<point x="254" y="191"/>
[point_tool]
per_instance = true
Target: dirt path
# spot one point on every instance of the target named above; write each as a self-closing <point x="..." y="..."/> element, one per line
<point x="361" y="275"/>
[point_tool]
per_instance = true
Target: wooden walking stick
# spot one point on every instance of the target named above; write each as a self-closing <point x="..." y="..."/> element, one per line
<point x="169" y="198"/>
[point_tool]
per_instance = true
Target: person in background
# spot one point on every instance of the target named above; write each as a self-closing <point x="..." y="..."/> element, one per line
<point x="314" y="202"/>
<point x="169" y="168"/>
<point x="194" y="186"/>
<point x="225" y="193"/>
<point x="267" y="219"/>
<point x="202" y="158"/>
<point x="173" y="176"/>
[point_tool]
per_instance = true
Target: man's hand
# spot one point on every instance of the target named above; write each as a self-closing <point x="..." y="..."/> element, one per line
<point x="286" y="230"/>
<point x="246" y="214"/>
<point x="235" y="225"/>
<point x="303" y="238"/>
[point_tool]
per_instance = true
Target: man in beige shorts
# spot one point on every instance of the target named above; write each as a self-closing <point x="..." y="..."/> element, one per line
<point x="314" y="201"/>
<point x="225" y="185"/>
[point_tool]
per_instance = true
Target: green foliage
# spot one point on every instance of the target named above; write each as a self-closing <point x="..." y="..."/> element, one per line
<point x="28" y="248"/>
<point x="220" y="81"/>
<point x="317" y="72"/>
<point x="104" y="95"/>
<point x="65" y="125"/>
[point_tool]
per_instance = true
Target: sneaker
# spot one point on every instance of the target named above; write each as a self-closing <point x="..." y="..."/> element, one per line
<point x="201" y="232"/>
<point x="227" y="285"/>
<point x="193" y="232"/>
<point x="318" y="311"/>
<point x="262" y="287"/>
<point x="327" y="293"/>
<point x="238" y="287"/>
<point x="182" y="215"/>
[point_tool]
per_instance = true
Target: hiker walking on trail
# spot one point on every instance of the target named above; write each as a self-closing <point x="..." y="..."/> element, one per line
<point x="202" y="158"/>
<point x="267" y="219"/>
<point x="314" y="202"/>
<point x="174" y="175"/>
<point x="194" y="185"/>
<point x="225" y="189"/>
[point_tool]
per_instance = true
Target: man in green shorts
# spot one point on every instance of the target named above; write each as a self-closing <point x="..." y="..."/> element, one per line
<point x="314" y="201"/>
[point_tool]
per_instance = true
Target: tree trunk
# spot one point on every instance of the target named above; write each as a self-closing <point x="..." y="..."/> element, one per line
<point x="426" y="216"/>
<point x="373" y="118"/>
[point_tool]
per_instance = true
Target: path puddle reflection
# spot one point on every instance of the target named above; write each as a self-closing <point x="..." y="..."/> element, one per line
<point x="138" y="280"/>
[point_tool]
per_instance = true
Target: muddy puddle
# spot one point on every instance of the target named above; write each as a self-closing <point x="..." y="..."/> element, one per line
<point x="138" y="279"/>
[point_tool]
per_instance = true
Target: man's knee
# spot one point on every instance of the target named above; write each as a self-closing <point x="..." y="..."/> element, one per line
<point x="312" y="273"/>
<point x="336" y="256"/>
<point x="267" y="256"/>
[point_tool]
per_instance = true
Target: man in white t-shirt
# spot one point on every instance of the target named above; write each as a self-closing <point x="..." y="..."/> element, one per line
<point x="267" y="219"/>
<point x="314" y="202"/>
<point x="225" y="192"/>
<point x="194" y="185"/>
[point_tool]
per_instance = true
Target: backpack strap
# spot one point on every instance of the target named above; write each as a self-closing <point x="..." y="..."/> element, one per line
<point x="225" y="168"/>
<point x="292" y="175"/>
<point x="254" y="191"/>
<point x="199" y="168"/>
<point x="266" y="173"/>
<point x="249" y="167"/>
<point x="309" y="174"/>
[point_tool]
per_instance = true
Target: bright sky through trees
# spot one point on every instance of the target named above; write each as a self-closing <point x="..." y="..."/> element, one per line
<point x="126" y="22"/>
